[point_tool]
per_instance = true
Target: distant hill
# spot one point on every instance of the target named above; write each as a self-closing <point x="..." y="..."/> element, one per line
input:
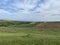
<point x="49" y="25"/>
<point x="9" y="23"/>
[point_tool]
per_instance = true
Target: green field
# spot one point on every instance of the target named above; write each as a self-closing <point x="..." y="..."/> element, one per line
<point x="29" y="36"/>
<point x="29" y="33"/>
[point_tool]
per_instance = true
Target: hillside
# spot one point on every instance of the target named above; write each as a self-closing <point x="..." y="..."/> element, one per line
<point x="49" y="25"/>
<point x="6" y="23"/>
<point x="22" y="33"/>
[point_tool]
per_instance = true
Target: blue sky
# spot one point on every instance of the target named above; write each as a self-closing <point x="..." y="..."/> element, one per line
<point x="30" y="10"/>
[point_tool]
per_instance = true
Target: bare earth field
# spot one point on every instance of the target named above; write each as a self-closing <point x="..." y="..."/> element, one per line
<point x="49" y="25"/>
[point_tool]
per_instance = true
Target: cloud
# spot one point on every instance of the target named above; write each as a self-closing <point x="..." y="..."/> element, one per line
<point x="31" y="10"/>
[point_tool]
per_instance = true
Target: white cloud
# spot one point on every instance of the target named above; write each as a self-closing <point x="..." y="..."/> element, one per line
<point x="47" y="11"/>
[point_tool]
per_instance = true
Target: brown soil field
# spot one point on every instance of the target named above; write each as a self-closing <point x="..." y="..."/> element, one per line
<point x="49" y="25"/>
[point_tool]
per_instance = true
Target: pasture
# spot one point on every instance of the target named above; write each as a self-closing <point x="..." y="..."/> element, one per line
<point x="29" y="36"/>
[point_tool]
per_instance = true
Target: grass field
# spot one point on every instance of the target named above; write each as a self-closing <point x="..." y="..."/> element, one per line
<point x="29" y="36"/>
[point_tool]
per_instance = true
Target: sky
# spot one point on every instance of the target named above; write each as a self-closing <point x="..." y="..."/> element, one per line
<point x="30" y="10"/>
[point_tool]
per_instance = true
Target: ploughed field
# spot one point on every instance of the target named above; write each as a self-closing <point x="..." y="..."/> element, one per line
<point x="29" y="36"/>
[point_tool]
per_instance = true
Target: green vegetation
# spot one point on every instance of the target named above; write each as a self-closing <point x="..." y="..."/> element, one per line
<point x="29" y="36"/>
<point x="26" y="33"/>
<point x="16" y="24"/>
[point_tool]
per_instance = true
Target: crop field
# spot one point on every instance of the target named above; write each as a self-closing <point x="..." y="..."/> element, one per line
<point x="29" y="36"/>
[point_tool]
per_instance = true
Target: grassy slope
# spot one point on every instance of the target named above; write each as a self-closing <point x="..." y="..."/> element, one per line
<point x="15" y="33"/>
<point x="29" y="36"/>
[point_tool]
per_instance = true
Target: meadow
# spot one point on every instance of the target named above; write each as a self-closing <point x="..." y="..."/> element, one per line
<point x="29" y="36"/>
<point x="21" y="35"/>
